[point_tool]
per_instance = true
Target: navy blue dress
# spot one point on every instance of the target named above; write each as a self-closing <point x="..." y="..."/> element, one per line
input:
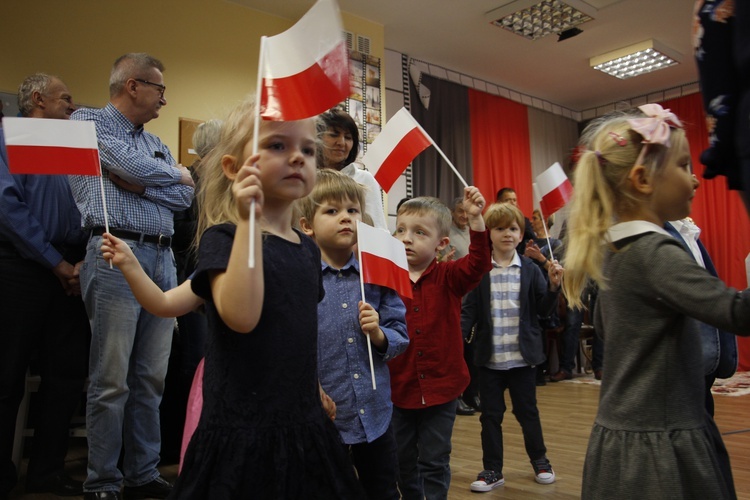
<point x="263" y="432"/>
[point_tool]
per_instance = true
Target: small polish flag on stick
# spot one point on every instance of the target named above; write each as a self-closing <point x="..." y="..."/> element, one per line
<point x="552" y="191"/>
<point x="306" y="68"/>
<point x="382" y="261"/>
<point x="301" y="73"/>
<point x="398" y="143"/>
<point x="51" y="147"/>
<point x="45" y="146"/>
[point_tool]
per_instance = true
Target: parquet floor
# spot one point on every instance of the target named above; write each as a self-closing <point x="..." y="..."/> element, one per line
<point x="567" y="411"/>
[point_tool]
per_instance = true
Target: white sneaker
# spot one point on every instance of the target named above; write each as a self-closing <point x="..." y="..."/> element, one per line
<point x="487" y="480"/>
<point x="543" y="473"/>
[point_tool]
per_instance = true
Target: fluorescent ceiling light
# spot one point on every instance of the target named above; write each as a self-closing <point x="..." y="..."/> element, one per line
<point x="635" y="60"/>
<point x="541" y="19"/>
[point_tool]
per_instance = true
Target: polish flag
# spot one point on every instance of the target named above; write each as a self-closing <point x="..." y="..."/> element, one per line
<point x="46" y="146"/>
<point x="398" y="143"/>
<point x="552" y="189"/>
<point x="306" y="68"/>
<point x="382" y="259"/>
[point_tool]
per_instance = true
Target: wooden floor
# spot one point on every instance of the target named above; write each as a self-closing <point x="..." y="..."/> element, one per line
<point x="567" y="411"/>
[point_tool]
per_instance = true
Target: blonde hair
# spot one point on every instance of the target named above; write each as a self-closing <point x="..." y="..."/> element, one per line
<point x="216" y="203"/>
<point x="503" y="215"/>
<point x="330" y="185"/>
<point x="427" y="205"/>
<point x="600" y="195"/>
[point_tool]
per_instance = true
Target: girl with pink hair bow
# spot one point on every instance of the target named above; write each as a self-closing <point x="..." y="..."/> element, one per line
<point x="652" y="437"/>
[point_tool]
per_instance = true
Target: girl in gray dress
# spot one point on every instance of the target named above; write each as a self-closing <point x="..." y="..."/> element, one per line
<point x="652" y="437"/>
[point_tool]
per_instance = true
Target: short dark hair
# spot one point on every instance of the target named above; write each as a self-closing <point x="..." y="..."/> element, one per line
<point x="338" y="119"/>
<point x="502" y="191"/>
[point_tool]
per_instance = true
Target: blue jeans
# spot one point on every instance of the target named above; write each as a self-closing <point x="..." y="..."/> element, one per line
<point x="424" y="450"/>
<point x="127" y="366"/>
<point x="521" y="383"/>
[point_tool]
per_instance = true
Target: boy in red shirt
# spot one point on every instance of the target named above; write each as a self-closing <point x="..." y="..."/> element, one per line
<point x="431" y="374"/>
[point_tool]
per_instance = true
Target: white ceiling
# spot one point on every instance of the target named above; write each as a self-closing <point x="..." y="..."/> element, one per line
<point x="457" y="35"/>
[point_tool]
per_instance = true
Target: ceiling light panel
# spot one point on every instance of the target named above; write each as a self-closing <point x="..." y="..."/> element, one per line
<point x="635" y="60"/>
<point x="541" y="19"/>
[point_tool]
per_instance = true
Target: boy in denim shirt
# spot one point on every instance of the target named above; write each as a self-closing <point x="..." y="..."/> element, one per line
<point x="329" y="215"/>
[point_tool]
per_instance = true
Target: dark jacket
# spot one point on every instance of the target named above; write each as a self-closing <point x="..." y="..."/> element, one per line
<point x="536" y="299"/>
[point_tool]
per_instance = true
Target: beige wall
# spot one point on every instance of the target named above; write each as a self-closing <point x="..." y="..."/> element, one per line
<point x="209" y="47"/>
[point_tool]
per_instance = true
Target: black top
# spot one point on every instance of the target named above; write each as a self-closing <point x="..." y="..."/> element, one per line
<point x="263" y="432"/>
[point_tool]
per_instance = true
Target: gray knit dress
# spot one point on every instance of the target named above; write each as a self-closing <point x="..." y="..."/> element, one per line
<point x="652" y="437"/>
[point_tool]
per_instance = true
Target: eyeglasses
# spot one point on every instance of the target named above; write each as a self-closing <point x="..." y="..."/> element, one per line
<point x="162" y="88"/>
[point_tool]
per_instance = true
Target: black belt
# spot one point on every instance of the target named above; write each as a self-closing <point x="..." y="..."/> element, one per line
<point x="159" y="239"/>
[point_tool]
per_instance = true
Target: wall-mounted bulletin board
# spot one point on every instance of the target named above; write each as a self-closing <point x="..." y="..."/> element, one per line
<point x="364" y="102"/>
<point x="187" y="155"/>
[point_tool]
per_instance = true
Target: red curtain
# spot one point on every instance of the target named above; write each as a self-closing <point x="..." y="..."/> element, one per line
<point x="719" y="212"/>
<point x="501" y="153"/>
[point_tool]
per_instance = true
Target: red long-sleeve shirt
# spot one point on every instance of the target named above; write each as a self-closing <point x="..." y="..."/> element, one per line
<point x="432" y="371"/>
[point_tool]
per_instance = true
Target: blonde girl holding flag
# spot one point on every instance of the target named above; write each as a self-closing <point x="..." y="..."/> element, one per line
<point x="263" y="432"/>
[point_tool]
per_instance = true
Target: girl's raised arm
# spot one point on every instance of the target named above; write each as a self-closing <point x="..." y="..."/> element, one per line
<point x="238" y="292"/>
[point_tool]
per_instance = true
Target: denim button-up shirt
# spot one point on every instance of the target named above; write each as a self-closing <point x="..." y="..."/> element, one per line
<point x="362" y="414"/>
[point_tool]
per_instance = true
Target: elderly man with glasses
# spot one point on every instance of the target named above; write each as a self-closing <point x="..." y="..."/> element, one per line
<point x="129" y="347"/>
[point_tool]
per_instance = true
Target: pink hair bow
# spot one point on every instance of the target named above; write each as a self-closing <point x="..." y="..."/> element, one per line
<point x="655" y="127"/>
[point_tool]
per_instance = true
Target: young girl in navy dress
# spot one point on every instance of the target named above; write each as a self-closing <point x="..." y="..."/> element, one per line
<point x="652" y="437"/>
<point x="263" y="432"/>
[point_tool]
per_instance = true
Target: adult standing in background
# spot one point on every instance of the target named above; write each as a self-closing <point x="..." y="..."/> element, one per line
<point x="338" y="148"/>
<point x="41" y="248"/>
<point x="129" y="347"/>
<point x="459" y="235"/>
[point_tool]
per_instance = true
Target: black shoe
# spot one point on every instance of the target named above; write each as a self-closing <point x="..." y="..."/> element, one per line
<point x="158" y="488"/>
<point x="472" y="402"/>
<point x="102" y="495"/>
<point x="463" y="409"/>
<point x="59" y="484"/>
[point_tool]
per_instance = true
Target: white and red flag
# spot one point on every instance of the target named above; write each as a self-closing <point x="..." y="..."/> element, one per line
<point x="305" y="69"/>
<point x="46" y="146"/>
<point x="398" y="143"/>
<point x="552" y="189"/>
<point x="382" y="259"/>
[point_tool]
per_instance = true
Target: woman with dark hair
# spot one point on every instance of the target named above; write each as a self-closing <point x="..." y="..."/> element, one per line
<point x="339" y="144"/>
